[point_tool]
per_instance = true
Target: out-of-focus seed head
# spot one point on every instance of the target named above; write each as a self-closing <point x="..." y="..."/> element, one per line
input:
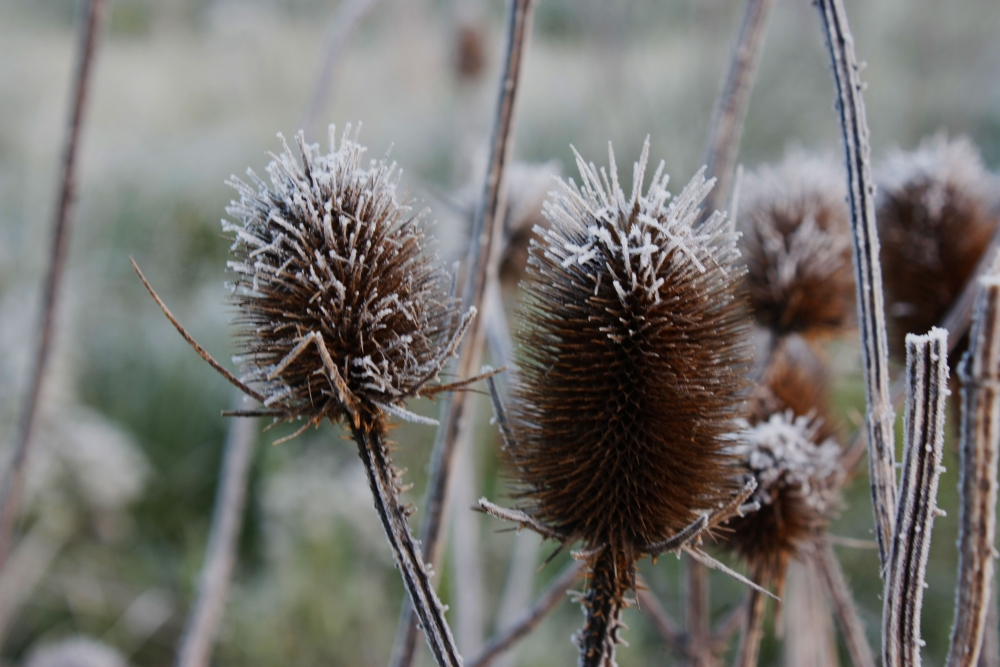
<point x="334" y="284"/>
<point x="798" y="487"/>
<point x="797" y="245"/>
<point x="938" y="207"/>
<point x="635" y="348"/>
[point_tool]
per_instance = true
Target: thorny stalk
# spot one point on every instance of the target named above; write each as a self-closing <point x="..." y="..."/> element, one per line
<point x="480" y="267"/>
<point x="980" y="441"/>
<point x="13" y="484"/>
<point x="220" y="555"/>
<point x="731" y="105"/>
<point x="844" y="609"/>
<point x="343" y="25"/>
<point x="529" y="619"/>
<point x="926" y="396"/>
<point x="880" y="415"/>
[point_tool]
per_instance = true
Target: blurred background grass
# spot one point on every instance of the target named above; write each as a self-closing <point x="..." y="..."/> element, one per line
<point x="188" y="92"/>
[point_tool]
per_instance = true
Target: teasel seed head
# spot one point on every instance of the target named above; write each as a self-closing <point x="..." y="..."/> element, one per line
<point x="635" y="348"/>
<point x="799" y="477"/>
<point x="341" y="309"/>
<point x="938" y="208"/>
<point x="797" y="244"/>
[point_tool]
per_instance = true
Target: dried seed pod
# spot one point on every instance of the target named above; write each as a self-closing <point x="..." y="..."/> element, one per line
<point x="797" y="245"/>
<point x="635" y="349"/>
<point x="798" y="476"/>
<point x="938" y="208"/>
<point x="341" y="310"/>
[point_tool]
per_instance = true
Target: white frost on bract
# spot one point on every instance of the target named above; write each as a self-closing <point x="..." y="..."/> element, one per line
<point x="782" y="453"/>
<point x="632" y="240"/>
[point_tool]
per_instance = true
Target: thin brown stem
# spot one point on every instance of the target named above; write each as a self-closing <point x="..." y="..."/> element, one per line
<point x="344" y="24"/>
<point x="480" y="267"/>
<point x="529" y="619"/>
<point x="752" y="630"/>
<point x="699" y="641"/>
<point x="880" y="416"/>
<point x="382" y="479"/>
<point x="844" y="609"/>
<point x="669" y="629"/>
<point x="926" y="395"/>
<point x="730" y="111"/>
<point x="13" y="485"/>
<point x="220" y="555"/>
<point x="980" y="442"/>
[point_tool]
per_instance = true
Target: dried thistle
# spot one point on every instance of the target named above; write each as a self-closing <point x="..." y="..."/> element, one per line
<point x="343" y="314"/>
<point x="937" y="210"/>
<point x="797" y="245"/>
<point x="634" y="355"/>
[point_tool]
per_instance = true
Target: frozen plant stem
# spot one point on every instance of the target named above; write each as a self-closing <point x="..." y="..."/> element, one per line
<point x="529" y="619"/>
<point x="867" y="270"/>
<point x="731" y="105"/>
<point x="220" y="556"/>
<point x="480" y="267"/>
<point x="980" y="440"/>
<point x="926" y="394"/>
<point x="846" y="613"/>
<point x="13" y="484"/>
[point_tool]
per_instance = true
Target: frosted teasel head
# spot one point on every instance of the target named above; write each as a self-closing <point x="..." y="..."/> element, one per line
<point x="938" y="208"/>
<point x="799" y="476"/>
<point x="342" y="311"/>
<point x="797" y="244"/>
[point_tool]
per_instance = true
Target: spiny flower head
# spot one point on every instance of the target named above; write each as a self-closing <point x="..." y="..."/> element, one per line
<point x="798" y="487"/>
<point x="938" y="207"/>
<point x="796" y="242"/>
<point x="634" y="353"/>
<point x="341" y="309"/>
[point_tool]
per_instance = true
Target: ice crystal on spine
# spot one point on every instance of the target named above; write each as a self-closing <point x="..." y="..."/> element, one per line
<point x="634" y="351"/>
<point x="341" y="309"/>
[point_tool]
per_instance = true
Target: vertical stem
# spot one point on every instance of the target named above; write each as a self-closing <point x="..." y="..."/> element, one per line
<point x="602" y="608"/>
<point x="382" y="479"/>
<point x="480" y="267"/>
<point x="696" y="597"/>
<point x="753" y="628"/>
<point x="880" y="416"/>
<point x="730" y="111"/>
<point x="13" y="484"/>
<point x="220" y="555"/>
<point x="807" y="619"/>
<point x="839" y="594"/>
<point x="980" y="373"/>
<point x="926" y="394"/>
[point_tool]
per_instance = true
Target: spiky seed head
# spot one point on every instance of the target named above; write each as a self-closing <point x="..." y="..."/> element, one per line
<point x="798" y="487"/>
<point x="328" y="250"/>
<point x="938" y="207"/>
<point x="634" y="345"/>
<point x="797" y="245"/>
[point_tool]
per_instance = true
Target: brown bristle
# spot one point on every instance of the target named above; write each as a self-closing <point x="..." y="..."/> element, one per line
<point x="797" y="245"/>
<point x="797" y="380"/>
<point x="937" y="210"/>
<point x="327" y="257"/>
<point x="798" y="488"/>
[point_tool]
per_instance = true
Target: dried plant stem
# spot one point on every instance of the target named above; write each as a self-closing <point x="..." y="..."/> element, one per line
<point x="868" y="272"/>
<point x="480" y="268"/>
<point x="670" y="631"/>
<point x="844" y="609"/>
<point x="752" y="630"/>
<point x="989" y="656"/>
<point x="806" y="618"/>
<point x="731" y="105"/>
<point x="696" y="608"/>
<point x="382" y="479"/>
<point x="466" y="554"/>
<point x="220" y="556"/>
<point x="530" y="617"/>
<point x="926" y="394"/>
<point x="729" y="626"/>
<point x="343" y="25"/>
<point x="13" y="485"/>
<point x="959" y="316"/>
<point x="980" y="373"/>
<point x="517" y="589"/>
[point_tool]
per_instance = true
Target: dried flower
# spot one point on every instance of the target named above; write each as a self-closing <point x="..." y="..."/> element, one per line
<point x="937" y="210"/>
<point x="797" y="246"/>
<point x="634" y="354"/>
<point x="798" y="478"/>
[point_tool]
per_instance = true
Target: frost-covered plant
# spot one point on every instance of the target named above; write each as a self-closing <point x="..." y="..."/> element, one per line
<point x="634" y="349"/>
